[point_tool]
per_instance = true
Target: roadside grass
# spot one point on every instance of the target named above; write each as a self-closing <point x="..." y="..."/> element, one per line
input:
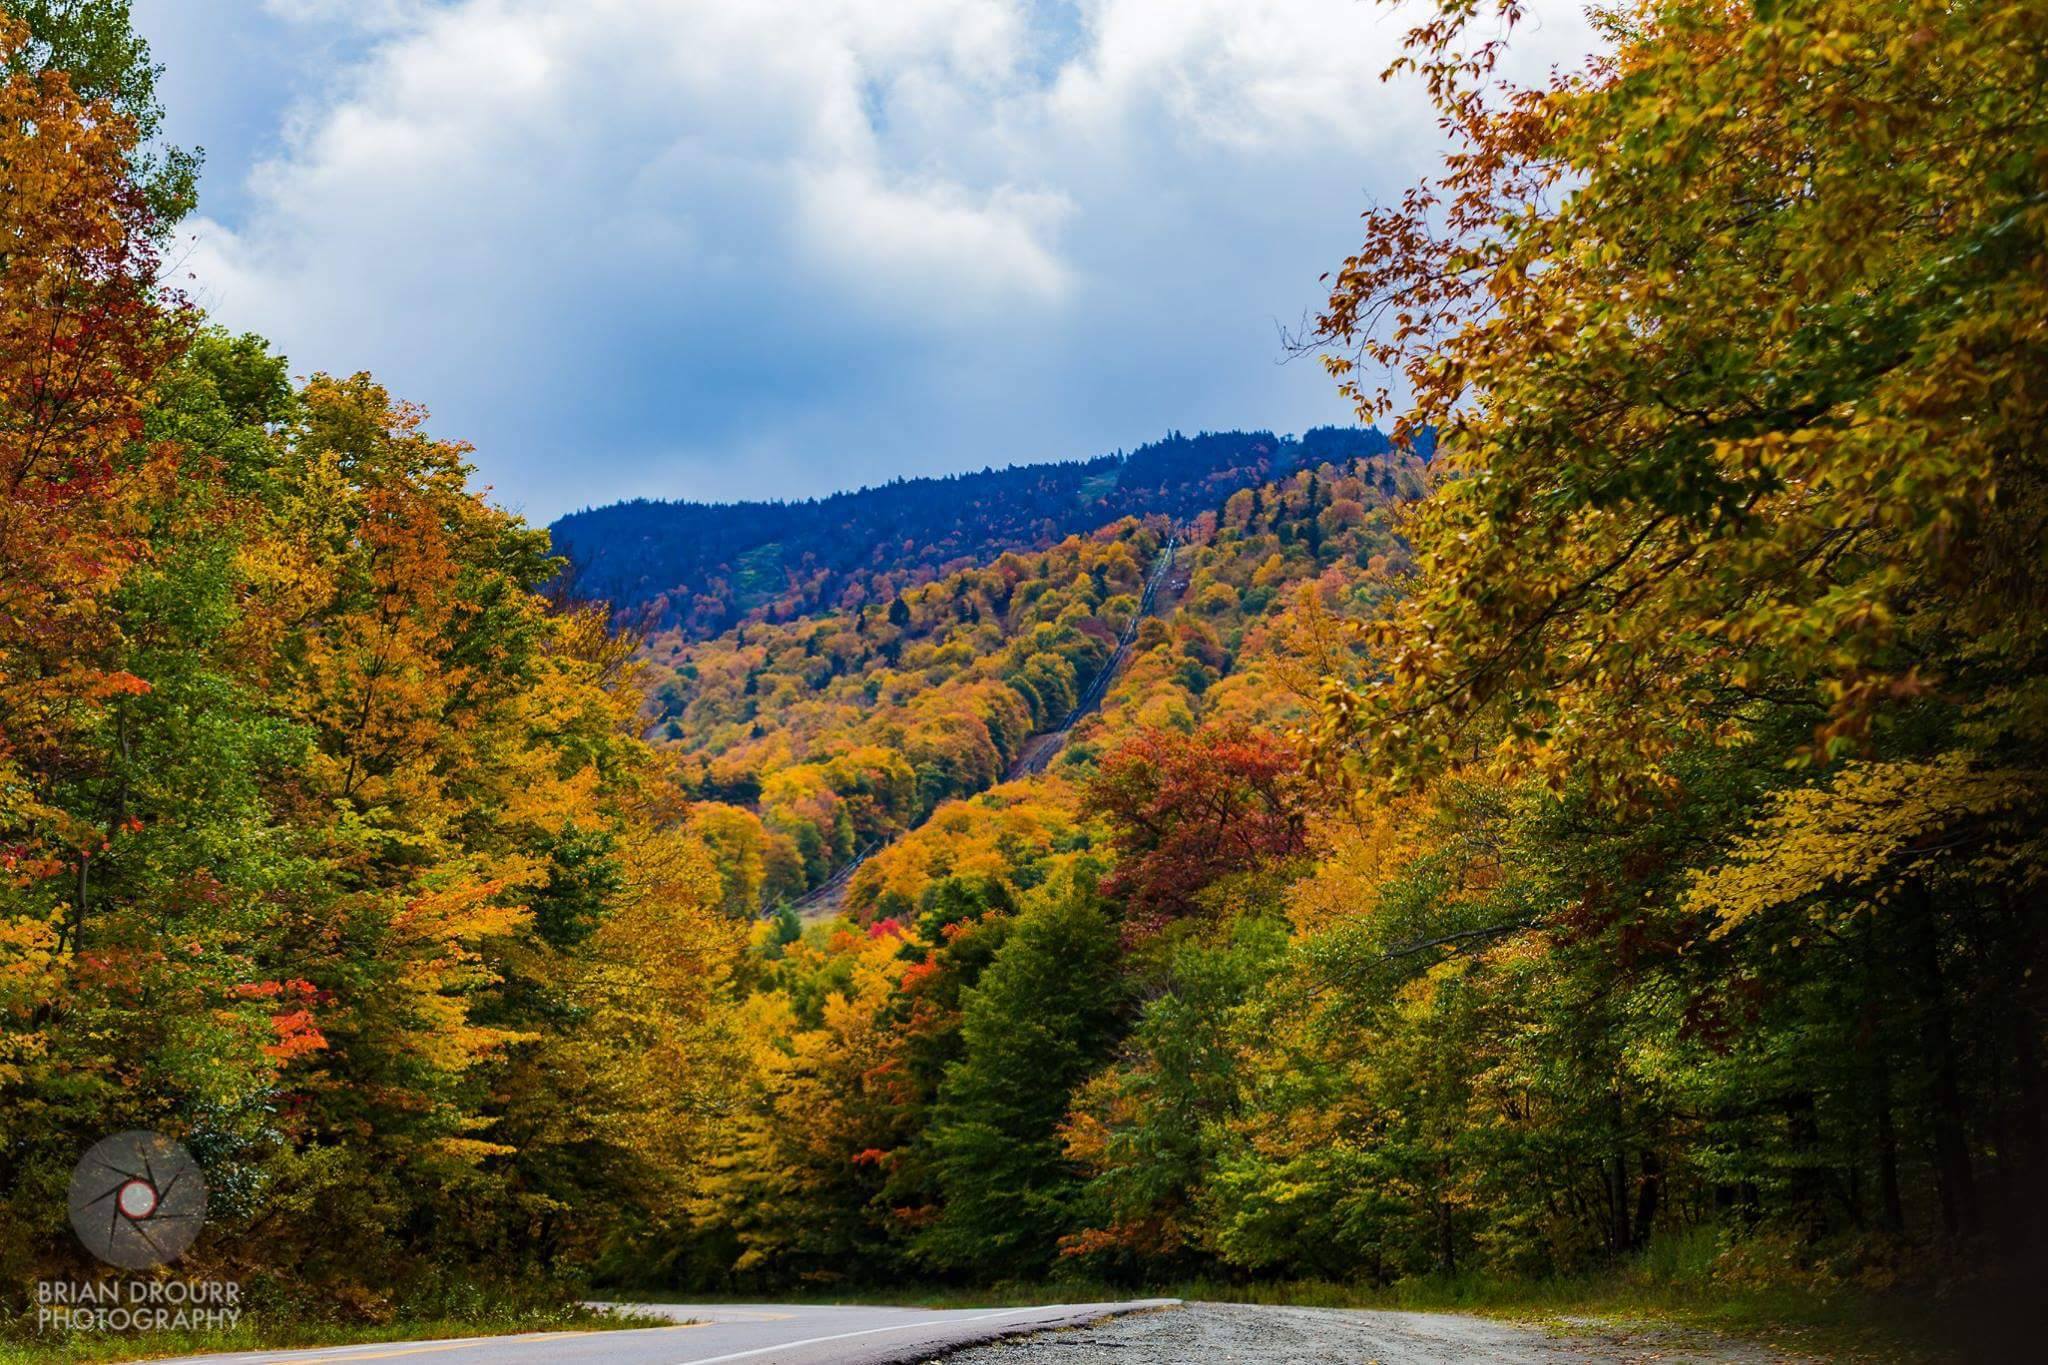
<point x="21" y="1344"/>
<point x="1754" y="1291"/>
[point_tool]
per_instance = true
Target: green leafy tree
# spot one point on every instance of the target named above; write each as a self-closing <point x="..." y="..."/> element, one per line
<point x="94" y="43"/>
<point x="1039" y="1020"/>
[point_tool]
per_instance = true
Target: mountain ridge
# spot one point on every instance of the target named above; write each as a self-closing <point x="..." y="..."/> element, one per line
<point x="703" y="567"/>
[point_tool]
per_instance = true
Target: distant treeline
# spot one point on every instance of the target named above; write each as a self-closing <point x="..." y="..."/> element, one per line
<point x="702" y="567"/>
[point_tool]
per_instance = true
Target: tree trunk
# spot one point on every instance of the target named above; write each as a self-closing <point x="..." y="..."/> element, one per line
<point x="2031" y="1220"/>
<point x="1647" y="1196"/>
<point x="1618" y="1182"/>
<point x="1892" y="1213"/>
<point x="1954" y="1180"/>
<point x="1887" y="1150"/>
<point x="73" y="938"/>
<point x="1447" y="1251"/>
<point x="2029" y="1121"/>
<point x="1808" y="1176"/>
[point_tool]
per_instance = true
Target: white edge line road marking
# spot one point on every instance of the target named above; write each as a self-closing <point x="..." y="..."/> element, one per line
<point x="845" y="1336"/>
<point x="385" y="1350"/>
<point x="373" y="1350"/>
<point x="725" y="1316"/>
<point x="389" y="1349"/>
<point x="354" y="1350"/>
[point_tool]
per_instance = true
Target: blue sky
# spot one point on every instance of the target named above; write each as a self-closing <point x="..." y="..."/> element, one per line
<point x="770" y="248"/>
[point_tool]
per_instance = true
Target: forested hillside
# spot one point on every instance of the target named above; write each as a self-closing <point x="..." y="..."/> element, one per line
<point x="810" y="742"/>
<point x="701" y="567"/>
<point x="1615" y="841"/>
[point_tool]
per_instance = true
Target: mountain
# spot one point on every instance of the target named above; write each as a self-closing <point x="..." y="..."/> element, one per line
<point x="702" y="567"/>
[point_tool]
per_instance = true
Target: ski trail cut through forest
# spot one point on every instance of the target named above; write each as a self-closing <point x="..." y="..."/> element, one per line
<point x="1162" y="592"/>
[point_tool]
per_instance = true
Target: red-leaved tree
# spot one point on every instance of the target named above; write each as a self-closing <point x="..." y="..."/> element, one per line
<point x="1188" y="810"/>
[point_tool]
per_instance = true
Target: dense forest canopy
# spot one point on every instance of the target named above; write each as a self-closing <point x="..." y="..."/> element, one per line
<point x="700" y="567"/>
<point x="819" y="739"/>
<point x="1617" y="834"/>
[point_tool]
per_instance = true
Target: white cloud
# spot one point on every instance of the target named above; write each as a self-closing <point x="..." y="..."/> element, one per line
<point x="615" y="241"/>
<point x="935" y="250"/>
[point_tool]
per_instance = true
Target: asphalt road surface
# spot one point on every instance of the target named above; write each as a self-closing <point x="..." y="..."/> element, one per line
<point x="709" y="1334"/>
<point x="1242" y="1334"/>
<point x="1140" y="1332"/>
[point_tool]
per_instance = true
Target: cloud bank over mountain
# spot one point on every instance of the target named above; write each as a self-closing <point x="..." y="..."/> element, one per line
<point x="780" y="247"/>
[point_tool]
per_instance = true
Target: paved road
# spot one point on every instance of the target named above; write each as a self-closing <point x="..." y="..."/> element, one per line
<point x="1242" y="1334"/>
<point x="757" y="1333"/>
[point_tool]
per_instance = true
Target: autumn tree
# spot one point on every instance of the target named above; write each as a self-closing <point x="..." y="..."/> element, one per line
<point x="1729" y="340"/>
<point x="83" y="340"/>
<point x="95" y="45"/>
<point x="329" y="841"/>
<point x="1187" y="810"/>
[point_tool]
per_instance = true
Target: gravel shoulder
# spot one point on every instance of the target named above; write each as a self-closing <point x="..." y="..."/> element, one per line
<point x="1224" y="1332"/>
